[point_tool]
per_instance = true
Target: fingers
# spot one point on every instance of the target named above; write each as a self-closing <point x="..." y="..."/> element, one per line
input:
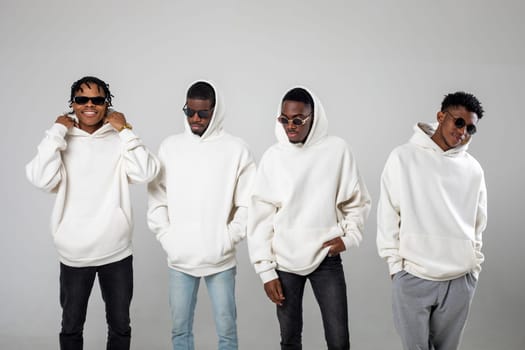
<point x="336" y="246"/>
<point x="274" y="291"/>
<point x="66" y="120"/>
<point x="116" y="119"/>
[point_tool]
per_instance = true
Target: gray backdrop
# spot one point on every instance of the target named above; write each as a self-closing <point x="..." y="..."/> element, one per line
<point x="378" y="67"/>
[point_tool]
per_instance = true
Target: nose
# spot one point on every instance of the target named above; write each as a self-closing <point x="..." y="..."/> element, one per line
<point x="195" y="117"/>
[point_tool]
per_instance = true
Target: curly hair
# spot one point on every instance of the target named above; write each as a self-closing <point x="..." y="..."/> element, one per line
<point x="77" y="86"/>
<point x="463" y="99"/>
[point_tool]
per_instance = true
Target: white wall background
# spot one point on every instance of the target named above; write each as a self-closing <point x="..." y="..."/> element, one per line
<point x="377" y="66"/>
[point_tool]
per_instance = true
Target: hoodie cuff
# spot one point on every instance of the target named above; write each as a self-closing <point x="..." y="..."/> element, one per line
<point x="268" y="276"/>
<point x="58" y="130"/>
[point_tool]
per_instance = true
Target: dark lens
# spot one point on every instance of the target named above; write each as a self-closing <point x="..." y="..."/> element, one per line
<point x="81" y="100"/>
<point x="204" y="114"/>
<point x="283" y="120"/>
<point x="99" y="100"/>
<point x="297" y="121"/>
<point x="188" y="111"/>
<point x="471" y="129"/>
<point x="459" y="122"/>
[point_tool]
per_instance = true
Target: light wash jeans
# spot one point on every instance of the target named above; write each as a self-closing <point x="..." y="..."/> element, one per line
<point x="183" y="290"/>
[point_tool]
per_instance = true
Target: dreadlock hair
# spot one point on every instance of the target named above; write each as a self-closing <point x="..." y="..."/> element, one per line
<point x="299" y="95"/>
<point x="77" y="86"/>
<point x="463" y="99"/>
<point x="202" y="90"/>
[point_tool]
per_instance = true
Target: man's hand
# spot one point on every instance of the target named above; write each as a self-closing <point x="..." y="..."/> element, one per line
<point x="336" y="246"/>
<point x="67" y="121"/>
<point x="274" y="291"/>
<point x="116" y="119"/>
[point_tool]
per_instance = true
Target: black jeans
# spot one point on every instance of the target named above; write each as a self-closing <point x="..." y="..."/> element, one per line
<point x="329" y="286"/>
<point x="116" y="286"/>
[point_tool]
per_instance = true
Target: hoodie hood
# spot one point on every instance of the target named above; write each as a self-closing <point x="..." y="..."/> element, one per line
<point x="217" y="119"/>
<point x="319" y="126"/>
<point x="100" y="132"/>
<point x="422" y="137"/>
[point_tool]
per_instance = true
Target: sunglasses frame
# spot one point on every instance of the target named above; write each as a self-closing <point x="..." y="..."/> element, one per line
<point x="300" y="122"/>
<point x="96" y="100"/>
<point x="203" y="113"/>
<point x="460" y="123"/>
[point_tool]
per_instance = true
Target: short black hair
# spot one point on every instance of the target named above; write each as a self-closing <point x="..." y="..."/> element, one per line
<point x="463" y="99"/>
<point x="299" y="95"/>
<point x="201" y="90"/>
<point x="77" y="86"/>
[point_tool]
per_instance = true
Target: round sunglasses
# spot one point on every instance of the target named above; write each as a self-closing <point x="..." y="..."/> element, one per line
<point x="461" y="123"/>
<point x="295" y="120"/>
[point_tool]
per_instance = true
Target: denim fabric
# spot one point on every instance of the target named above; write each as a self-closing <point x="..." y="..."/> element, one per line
<point x="329" y="287"/>
<point x="116" y="285"/>
<point x="183" y="298"/>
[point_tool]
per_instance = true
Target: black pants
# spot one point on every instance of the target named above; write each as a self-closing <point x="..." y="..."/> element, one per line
<point x="116" y="286"/>
<point x="329" y="286"/>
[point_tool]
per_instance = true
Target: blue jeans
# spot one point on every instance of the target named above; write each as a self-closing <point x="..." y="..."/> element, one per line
<point x="116" y="286"/>
<point x="183" y="297"/>
<point x="329" y="287"/>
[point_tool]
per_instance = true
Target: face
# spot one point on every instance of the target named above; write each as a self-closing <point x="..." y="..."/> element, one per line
<point x="197" y="124"/>
<point x="295" y="109"/>
<point x="90" y="116"/>
<point x="448" y="135"/>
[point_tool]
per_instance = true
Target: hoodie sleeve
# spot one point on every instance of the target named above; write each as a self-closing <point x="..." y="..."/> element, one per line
<point x="141" y="165"/>
<point x="481" y="224"/>
<point x="157" y="217"/>
<point x="237" y="226"/>
<point x="389" y="218"/>
<point x="44" y="169"/>
<point x="261" y="212"/>
<point x="353" y="202"/>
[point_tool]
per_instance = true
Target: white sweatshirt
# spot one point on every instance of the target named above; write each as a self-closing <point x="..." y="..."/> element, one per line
<point x="432" y="209"/>
<point x="92" y="218"/>
<point x="198" y="202"/>
<point x="304" y="195"/>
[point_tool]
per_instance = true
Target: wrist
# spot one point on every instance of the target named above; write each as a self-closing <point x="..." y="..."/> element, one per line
<point x="125" y="126"/>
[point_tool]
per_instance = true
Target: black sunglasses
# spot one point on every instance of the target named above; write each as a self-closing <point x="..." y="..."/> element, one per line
<point x="82" y="100"/>
<point x="203" y="114"/>
<point x="461" y="123"/>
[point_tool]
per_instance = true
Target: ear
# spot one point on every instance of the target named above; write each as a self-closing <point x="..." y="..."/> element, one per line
<point x="440" y="117"/>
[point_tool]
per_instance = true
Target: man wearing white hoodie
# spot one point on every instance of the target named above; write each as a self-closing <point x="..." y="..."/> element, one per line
<point x="88" y="159"/>
<point x="308" y="205"/>
<point x="431" y="215"/>
<point x="198" y="208"/>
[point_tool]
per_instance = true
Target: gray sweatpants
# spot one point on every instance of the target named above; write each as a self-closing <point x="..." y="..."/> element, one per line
<point x="431" y="315"/>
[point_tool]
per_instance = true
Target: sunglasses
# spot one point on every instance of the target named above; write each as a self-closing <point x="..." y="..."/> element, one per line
<point x="203" y="114"/>
<point x="461" y="123"/>
<point x="82" y="100"/>
<point x="295" y="120"/>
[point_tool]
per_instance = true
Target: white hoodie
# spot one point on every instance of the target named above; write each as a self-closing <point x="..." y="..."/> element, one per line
<point x="304" y="195"/>
<point x="198" y="203"/>
<point x="92" y="218"/>
<point x="432" y="209"/>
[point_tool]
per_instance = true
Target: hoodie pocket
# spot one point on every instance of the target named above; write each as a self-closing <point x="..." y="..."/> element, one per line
<point x="300" y="249"/>
<point x="189" y="245"/>
<point x="86" y="238"/>
<point x="437" y="257"/>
